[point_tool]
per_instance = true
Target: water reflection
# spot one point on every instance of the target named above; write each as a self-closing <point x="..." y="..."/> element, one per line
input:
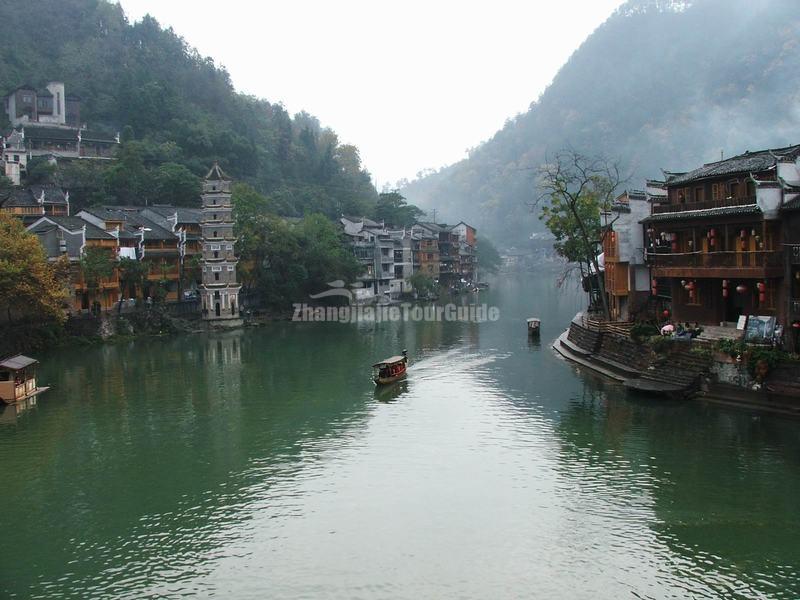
<point x="720" y="499"/>
<point x="391" y="392"/>
<point x="266" y="459"/>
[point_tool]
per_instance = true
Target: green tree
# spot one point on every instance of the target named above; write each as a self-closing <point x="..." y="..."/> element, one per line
<point x="175" y="184"/>
<point x="96" y="264"/>
<point x="575" y="190"/>
<point x="128" y="180"/>
<point x="393" y="210"/>
<point x="132" y="273"/>
<point x="28" y="283"/>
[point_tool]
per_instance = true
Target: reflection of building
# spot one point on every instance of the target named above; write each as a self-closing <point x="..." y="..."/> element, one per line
<point x="219" y="291"/>
<point x="715" y="241"/>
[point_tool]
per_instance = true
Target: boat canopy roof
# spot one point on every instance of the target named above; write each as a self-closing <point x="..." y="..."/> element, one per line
<point x="390" y="361"/>
<point x="15" y="363"/>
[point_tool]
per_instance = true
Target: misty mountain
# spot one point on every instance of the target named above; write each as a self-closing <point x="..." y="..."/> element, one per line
<point x="661" y="84"/>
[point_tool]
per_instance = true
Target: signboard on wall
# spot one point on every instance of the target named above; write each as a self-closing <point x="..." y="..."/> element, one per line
<point x="759" y="329"/>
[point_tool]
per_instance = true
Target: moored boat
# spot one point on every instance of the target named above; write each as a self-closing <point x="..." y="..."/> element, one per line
<point x="390" y="369"/>
<point x="18" y="379"/>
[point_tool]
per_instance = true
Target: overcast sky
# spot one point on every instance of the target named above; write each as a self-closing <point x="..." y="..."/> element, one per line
<point x="413" y="84"/>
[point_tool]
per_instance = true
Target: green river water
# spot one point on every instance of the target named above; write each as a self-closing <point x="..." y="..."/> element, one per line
<point x="261" y="463"/>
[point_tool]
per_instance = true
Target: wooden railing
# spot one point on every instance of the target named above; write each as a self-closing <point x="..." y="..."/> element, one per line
<point x="670" y="208"/>
<point x="758" y="258"/>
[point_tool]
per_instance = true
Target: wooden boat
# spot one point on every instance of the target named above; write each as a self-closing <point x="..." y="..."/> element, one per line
<point x="534" y="326"/>
<point x="390" y="370"/>
<point x="18" y="379"/>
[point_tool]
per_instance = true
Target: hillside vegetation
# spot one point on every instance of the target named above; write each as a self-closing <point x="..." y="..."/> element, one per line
<point x="177" y="110"/>
<point x="661" y="84"/>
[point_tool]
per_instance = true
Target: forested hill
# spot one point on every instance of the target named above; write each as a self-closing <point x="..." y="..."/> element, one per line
<point x="661" y="84"/>
<point x="180" y="108"/>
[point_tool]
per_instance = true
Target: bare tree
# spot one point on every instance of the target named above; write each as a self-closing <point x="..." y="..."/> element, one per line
<point x="574" y="191"/>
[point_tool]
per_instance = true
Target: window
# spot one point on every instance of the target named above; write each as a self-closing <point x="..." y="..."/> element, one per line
<point x="16" y="158"/>
<point x="215" y="246"/>
<point x="218" y="268"/>
<point x="229" y="247"/>
<point x="215" y="234"/>
<point x="733" y="189"/>
<point x="27" y="99"/>
<point x="216" y="254"/>
<point x="216" y="276"/>
<point x="716" y="191"/>
<point x="230" y="267"/>
<point x="698" y="194"/>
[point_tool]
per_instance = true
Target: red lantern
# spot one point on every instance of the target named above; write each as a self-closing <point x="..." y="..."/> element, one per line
<point x="674" y="246"/>
<point x="724" y="288"/>
<point x="665" y="313"/>
<point x="796" y="325"/>
<point x="713" y="232"/>
<point x="741" y="288"/>
<point x="742" y="234"/>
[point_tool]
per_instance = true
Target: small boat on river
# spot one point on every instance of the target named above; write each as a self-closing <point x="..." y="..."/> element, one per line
<point x="390" y="370"/>
<point x="534" y="326"/>
<point x="18" y="379"/>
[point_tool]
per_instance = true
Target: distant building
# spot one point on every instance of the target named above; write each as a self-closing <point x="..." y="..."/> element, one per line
<point x="49" y="105"/>
<point x="142" y="239"/>
<point x="47" y="123"/>
<point x="35" y="201"/>
<point x="219" y="290"/>
<point x="69" y="237"/>
<point x="627" y="277"/>
<point x="15" y="157"/>
<point x="374" y="247"/>
<point x="184" y="223"/>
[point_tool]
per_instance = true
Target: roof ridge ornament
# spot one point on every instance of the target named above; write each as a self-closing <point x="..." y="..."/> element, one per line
<point x="216" y="173"/>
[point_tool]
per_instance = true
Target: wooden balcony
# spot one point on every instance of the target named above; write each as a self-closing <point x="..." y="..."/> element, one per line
<point x="671" y="208"/>
<point x="755" y="264"/>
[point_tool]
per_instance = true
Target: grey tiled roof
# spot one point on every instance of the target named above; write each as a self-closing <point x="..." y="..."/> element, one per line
<point x="37" y="132"/>
<point x="132" y="221"/>
<point x="74" y="224"/>
<point x="793" y="204"/>
<point x="746" y="209"/>
<point x="28" y="196"/>
<point x="185" y="215"/>
<point x="749" y="162"/>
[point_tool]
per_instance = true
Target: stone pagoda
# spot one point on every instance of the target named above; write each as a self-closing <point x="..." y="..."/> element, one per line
<point x="219" y="291"/>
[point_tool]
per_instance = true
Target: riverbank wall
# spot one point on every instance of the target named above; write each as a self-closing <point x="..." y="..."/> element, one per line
<point x="678" y="369"/>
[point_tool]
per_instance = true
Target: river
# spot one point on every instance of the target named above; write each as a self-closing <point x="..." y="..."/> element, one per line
<point x="261" y="463"/>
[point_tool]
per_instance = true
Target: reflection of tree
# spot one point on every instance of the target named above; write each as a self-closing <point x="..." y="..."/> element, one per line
<point x="723" y="487"/>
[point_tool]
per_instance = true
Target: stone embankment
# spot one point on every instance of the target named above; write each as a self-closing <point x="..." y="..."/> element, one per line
<point x="677" y="369"/>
